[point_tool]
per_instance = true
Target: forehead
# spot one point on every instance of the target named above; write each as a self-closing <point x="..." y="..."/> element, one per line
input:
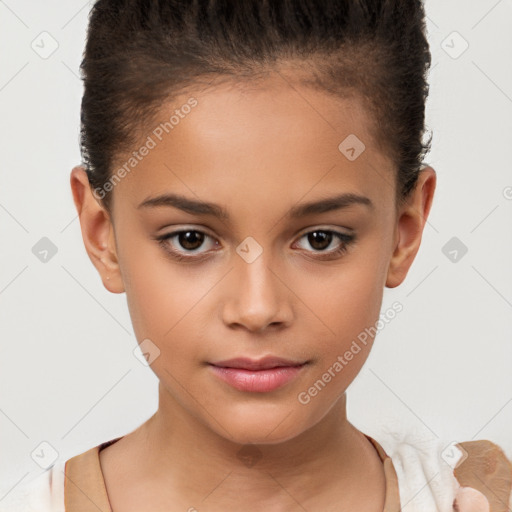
<point x="262" y="142"/>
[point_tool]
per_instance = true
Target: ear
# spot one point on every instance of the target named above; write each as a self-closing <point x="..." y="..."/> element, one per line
<point x="97" y="231"/>
<point x="411" y="219"/>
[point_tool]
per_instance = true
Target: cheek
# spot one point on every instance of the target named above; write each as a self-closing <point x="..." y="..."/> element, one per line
<point x="163" y="299"/>
<point x="346" y="304"/>
<point x="165" y="307"/>
<point x="345" y="301"/>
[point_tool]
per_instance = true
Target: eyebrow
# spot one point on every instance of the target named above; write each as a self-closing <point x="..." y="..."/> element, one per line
<point x="196" y="207"/>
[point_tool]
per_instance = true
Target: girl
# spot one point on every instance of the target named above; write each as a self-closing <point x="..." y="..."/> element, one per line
<point x="252" y="179"/>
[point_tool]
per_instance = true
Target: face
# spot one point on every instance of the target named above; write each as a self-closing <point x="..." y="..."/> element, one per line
<point x="268" y="277"/>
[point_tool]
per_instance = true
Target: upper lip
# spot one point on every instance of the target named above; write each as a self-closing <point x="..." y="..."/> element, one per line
<point x="264" y="363"/>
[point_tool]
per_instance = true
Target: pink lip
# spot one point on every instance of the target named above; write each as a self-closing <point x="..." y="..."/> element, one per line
<point x="264" y="363"/>
<point x="257" y="376"/>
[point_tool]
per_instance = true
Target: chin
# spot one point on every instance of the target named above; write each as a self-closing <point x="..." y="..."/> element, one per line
<point x="261" y="426"/>
<point x="253" y="436"/>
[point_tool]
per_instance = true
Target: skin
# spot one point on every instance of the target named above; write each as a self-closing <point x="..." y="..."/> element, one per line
<point x="257" y="152"/>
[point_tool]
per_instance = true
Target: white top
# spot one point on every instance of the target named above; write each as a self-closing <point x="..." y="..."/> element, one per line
<point x="43" y="493"/>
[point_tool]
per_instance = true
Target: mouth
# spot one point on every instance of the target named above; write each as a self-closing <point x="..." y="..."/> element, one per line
<point x="258" y="376"/>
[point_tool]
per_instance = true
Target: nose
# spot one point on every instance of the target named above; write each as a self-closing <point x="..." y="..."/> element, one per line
<point x="256" y="297"/>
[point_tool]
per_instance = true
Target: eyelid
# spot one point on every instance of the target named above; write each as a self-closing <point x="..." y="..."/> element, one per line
<point x="184" y="227"/>
<point x="324" y="227"/>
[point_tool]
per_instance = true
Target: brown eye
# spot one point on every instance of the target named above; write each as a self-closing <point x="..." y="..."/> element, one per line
<point x="319" y="240"/>
<point x="326" y="243"/>
<point x="190" y="240"/>
<point x="187" y="244"/>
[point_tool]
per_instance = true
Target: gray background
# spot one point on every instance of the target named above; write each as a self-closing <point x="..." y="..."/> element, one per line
<point x="68" y="374"/>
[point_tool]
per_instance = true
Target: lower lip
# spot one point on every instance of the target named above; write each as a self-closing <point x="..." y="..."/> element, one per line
<point x="258" y="381"/>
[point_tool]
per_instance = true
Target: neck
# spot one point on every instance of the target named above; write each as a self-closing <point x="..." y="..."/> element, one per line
<point x="177" y="448"/>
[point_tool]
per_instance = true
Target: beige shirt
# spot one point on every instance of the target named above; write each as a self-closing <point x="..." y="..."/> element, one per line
<point x="85" y="486"/>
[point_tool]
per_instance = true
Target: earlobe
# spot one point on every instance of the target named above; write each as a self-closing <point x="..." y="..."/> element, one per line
<point x="410" y="224"/>
<point x="97" y="231"/>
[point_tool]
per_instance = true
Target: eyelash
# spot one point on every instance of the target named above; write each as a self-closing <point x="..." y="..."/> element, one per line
<point x="345" y="238"/>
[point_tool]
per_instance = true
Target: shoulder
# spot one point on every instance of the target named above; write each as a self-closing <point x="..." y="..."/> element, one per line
<point x="45" y="492"/>
<point x="42" y="493"/>
<point x="443" y="475"/>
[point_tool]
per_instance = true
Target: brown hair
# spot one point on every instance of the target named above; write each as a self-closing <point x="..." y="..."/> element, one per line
<point x="141" y="54"/>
